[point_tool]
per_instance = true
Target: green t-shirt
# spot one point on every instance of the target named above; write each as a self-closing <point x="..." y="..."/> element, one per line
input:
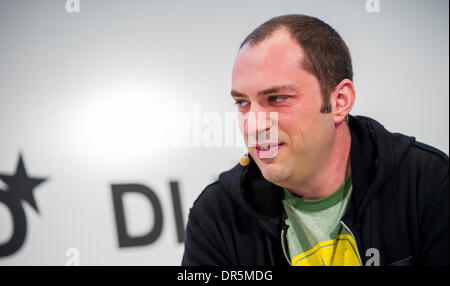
<point x="316" y="235"/>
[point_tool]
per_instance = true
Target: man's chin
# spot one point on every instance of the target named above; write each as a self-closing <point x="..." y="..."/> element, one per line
<point x="273" y="173"/>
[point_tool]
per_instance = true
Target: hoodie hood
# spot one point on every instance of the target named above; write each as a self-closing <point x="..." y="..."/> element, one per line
<point x="375" y="153"/>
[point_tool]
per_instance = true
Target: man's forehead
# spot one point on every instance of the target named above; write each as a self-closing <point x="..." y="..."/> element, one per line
<point x="274" y="61"/>
<point x="277" y="42"/>
<point x="278" y="51"/>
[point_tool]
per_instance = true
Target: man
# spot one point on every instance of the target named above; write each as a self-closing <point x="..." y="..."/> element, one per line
<point x="334" y="189"/>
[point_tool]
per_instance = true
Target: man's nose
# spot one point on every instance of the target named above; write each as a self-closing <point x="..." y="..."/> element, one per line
<point x="257" y="123"/>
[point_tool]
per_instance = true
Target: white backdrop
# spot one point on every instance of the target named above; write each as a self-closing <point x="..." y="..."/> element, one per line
<point x="85" y="98"/>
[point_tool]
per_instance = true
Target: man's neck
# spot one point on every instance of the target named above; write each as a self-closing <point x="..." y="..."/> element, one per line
<point x="334" y="171"/>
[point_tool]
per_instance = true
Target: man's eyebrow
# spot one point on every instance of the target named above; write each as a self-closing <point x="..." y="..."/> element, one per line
<point x="237" y="94"/>
<point x="273" y="89"/>
<point x="278" y="88"/>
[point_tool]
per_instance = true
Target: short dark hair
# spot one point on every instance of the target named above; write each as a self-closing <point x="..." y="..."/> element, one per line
<point x="326" y="55"/>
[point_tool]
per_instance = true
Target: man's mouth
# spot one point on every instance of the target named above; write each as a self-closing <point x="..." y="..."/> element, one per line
<point x="267" y="150"/>
<point x="267" y="146"/>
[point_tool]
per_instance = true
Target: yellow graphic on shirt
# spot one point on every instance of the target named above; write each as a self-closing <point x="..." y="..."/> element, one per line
<point x="341" y="251"/>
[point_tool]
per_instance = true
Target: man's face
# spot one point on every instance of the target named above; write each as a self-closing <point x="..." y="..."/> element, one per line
<point x="269" y="77"/>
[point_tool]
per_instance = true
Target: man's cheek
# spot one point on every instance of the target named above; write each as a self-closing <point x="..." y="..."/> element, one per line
<point x="242" y="122"/>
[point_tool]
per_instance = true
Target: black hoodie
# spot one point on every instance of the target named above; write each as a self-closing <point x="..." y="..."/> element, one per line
<point x="399" y="207"/>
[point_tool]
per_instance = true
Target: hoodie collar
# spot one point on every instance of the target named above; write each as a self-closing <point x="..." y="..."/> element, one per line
<point x="375" y="154"/>
<point x="259" y="198"/>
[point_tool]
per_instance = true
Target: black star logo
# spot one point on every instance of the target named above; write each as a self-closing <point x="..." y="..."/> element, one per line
<point x="20" y="185"/>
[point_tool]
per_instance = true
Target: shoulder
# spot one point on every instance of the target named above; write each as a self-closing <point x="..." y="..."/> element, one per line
<point x="424" y="151"/>
<point x="427" y="169"/>
<point x="427" y="160"/>
<point x="209" y="197"/>
<point x="217" y="196"/>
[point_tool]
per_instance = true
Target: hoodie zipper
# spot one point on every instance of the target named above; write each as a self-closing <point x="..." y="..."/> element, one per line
<point x="354" y="238"/>
<point x="283" y="245"/>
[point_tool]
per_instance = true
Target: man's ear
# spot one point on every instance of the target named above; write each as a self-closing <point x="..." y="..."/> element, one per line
<point x="342" y="100"/>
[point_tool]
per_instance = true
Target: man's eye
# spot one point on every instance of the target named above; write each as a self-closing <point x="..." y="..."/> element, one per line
<point x="241" y="103"/>
<point x="277" y="99"/>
